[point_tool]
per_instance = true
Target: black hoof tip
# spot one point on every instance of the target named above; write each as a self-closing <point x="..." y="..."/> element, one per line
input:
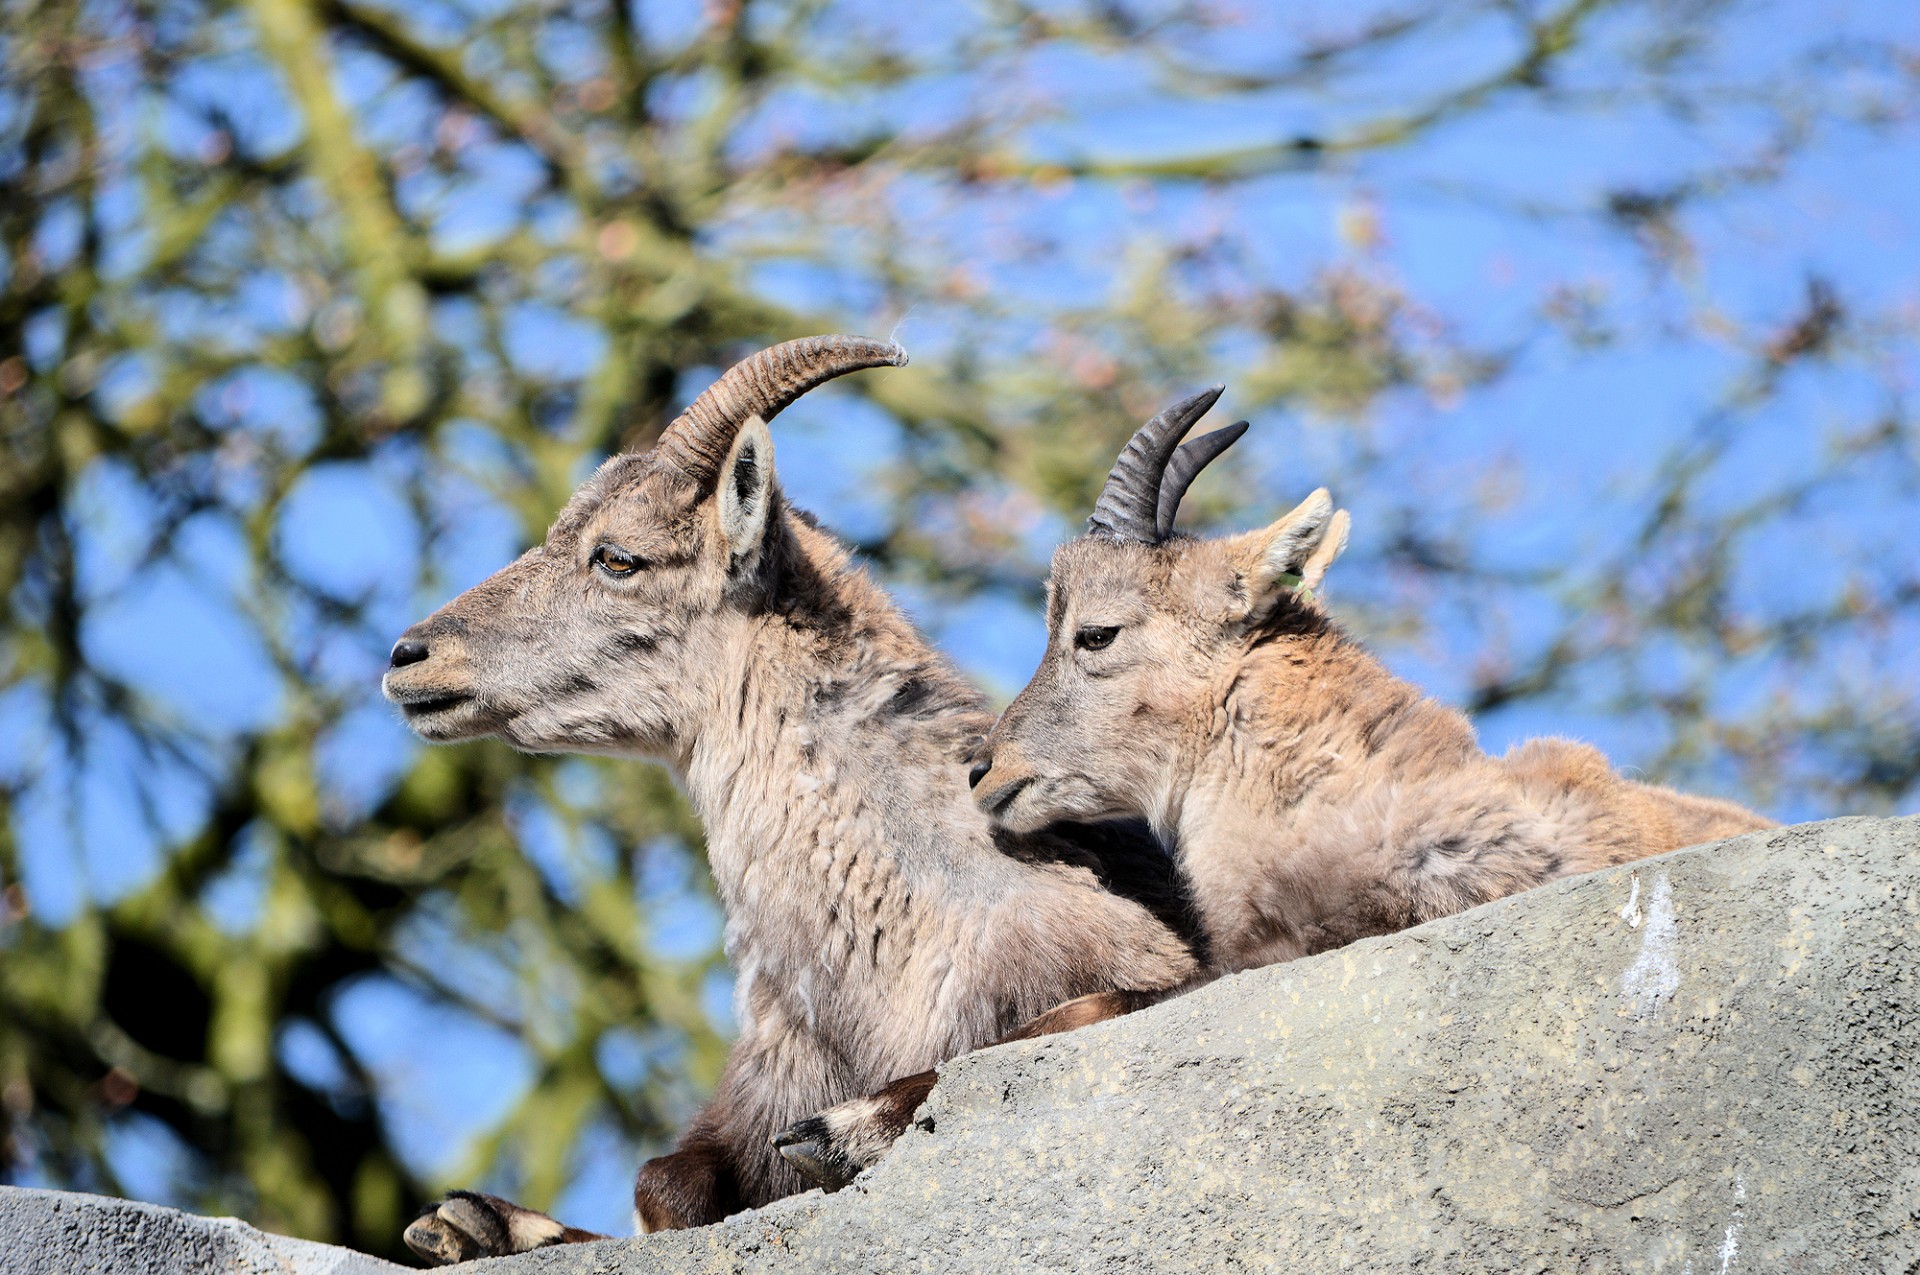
<point x="808" y="1147"/>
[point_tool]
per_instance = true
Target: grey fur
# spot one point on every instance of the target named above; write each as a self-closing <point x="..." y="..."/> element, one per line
<point x="876" y="921"/>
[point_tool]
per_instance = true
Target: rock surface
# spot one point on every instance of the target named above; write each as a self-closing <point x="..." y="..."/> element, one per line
<point x="61" y="1233"/>
<point x="1699" y="1063"/>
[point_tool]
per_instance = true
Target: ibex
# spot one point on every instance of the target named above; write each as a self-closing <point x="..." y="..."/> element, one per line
<point x="1312" y="797"/>
<point x="877" y="923"/>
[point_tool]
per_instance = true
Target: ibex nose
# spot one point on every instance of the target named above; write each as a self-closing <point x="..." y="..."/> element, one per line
<point x="407" y="651"/>
<point x="979" y="771"/>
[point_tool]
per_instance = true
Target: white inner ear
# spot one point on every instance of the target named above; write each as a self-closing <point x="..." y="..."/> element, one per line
<point x="746" y="489"/>
<point x="1290" y="541"/>
<point x="1332" y="545"/>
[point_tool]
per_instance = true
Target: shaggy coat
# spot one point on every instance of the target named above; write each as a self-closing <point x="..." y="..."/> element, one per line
<point x="877" y="922"/>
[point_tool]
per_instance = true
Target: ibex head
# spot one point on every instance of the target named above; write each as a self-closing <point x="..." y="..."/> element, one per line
<point x="601" y="638"/>
<point x="1142" y="626"/>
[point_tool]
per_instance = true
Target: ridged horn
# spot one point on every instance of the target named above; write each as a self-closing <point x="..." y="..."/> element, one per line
<point x="760" y="385"/>
<point x="1129" y="505"/>
<point x="1187" y="462"/>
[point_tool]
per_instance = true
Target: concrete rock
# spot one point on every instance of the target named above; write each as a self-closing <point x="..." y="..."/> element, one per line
<point x="1699" y="1063"/>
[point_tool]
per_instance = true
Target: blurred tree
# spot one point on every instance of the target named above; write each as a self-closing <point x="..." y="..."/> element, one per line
<point x="315" y="310"/>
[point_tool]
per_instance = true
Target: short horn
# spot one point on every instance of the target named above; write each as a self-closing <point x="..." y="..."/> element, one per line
<point x="761" y="385"/>
<point x="1187" y="462"/>
<point x="1129" y="505"/>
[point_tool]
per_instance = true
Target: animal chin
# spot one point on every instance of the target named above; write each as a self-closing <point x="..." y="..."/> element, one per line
<point x="442" y="717"/>
<point x="1029" y="804"/>
<point x="1003" y="805"/>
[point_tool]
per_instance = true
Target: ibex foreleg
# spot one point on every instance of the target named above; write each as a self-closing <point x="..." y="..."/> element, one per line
<point x="829" y="1149"/>
<point x="468" y="1225"/>
<point x="694" y="1185"/>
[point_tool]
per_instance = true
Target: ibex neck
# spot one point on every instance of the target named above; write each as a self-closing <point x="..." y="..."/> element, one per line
<point x="1307" y="741"/>
<point x="1319" y="713"/>
<point x="837" y="730"/>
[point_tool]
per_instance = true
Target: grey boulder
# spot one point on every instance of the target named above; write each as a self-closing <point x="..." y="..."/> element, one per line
<point x="1699" y="1064"/>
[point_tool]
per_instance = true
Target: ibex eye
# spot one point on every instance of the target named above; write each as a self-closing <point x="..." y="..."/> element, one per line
<point x="1094" y="637"/>
<point x="615" y="562"/>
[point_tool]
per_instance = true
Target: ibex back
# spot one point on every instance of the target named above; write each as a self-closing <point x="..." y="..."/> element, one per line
<point x="877" y="924"/>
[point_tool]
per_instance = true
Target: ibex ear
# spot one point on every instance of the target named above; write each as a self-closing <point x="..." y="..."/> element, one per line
<point x="1295" y="552"/>
<point x="746" y="491"/>
<point x="1332" y="545"/>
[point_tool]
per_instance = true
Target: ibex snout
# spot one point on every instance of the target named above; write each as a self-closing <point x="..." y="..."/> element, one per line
<point x="1028" y="773"/>
<point x="430" y="677"/>
<point x="998" y="778"/>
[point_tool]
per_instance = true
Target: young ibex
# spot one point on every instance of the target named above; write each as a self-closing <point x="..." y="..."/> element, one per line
<point x="876" y="921"/>
<point x="1312" y="797"/>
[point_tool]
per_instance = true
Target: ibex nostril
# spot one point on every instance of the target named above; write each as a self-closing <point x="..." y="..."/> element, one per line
<point x="407" y="651"/>
<point x="979" y="772"/>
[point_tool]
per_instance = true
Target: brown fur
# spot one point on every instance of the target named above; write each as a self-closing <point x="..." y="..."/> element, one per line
<point x="877" y="922"/>
<point x="1313" y="797"/>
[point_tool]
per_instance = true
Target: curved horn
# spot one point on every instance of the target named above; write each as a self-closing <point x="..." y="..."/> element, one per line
<point x="1187" y="462"/>
<point x="1128" y="508"/>
<point x="760" y="385"/>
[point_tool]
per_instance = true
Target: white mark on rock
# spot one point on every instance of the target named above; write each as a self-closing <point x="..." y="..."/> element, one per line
<point x="1654" y="975"/>
<point x="1631" y="912"/>
<point x="1730" y="1244"/>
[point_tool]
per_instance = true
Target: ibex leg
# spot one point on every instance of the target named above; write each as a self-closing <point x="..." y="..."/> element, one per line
<point x="469" y="1224"/>
<point x="831" y="1147"/>
<point x="694" y="1185"/>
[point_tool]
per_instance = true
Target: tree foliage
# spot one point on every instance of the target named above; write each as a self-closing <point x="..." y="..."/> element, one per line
<point x="315" y="310"/>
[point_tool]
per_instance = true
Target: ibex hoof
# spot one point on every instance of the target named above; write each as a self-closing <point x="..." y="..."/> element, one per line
<point x="450" y="1232"/>
<point x="816" y="1154"/>
<point x="468" y="1225"/>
